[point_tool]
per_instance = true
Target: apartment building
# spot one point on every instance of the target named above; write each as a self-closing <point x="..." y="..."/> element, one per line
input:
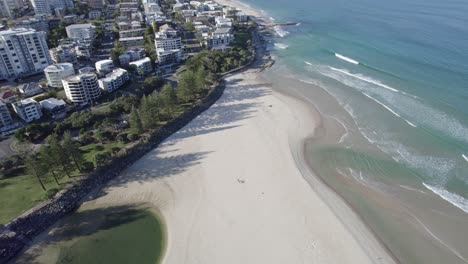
<point x="104" y="66"/>
<point x="57" y="72"/>
<point x="82" y="88"/>
<point x="27" y="109"/>
<point x="81" y="31"/>
<point x="22" y="52"/>
<point x="132" y="41"/>
<point x="143" y="66"/>
<point x="63" y="54"/>
<point x="114" y="80"/>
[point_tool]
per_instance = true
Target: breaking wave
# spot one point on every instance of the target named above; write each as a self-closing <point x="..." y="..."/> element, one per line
<point x="365" y="78"/>
<point x="452" y="198"/>
<point x="339" y="56"/>
<point x="281" y="46"/>
<point x="280" y="31"/>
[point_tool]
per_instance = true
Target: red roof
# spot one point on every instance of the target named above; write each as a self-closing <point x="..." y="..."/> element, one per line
<point x="8" y="94"/>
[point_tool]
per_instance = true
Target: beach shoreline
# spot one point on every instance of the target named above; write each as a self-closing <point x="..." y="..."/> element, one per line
<point x="180" y="180"/>
<point x="227" y="194"/>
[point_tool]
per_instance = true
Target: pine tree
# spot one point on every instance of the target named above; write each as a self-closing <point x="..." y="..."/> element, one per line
<point x="72" y="149"/>
<point x="200" y="79"/>
<point x="169" y="98"/>
<point x="136" y="126"/>
<point x="36" y="168"/>
<point x="49" y="162"/>
<point x="58" y="153"/>
<point x="150" y="110"/>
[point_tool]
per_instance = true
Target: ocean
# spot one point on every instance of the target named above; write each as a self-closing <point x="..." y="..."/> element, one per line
<point x="397" y="73"/>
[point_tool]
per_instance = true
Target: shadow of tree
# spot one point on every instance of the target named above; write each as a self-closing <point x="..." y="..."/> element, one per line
<point x="230" y="108"/>
<point x="85" y="223"/>
<point x="163" y="167"/>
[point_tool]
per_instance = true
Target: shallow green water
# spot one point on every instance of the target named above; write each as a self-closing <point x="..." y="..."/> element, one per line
<point x="119" y="234"/>
<point x="130" y="236"/>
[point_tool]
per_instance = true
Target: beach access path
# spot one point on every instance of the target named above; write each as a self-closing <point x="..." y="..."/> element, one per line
<point x="229" y="190"/>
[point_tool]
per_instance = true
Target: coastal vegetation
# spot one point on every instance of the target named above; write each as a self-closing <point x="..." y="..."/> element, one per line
<point x="88" y="139"/>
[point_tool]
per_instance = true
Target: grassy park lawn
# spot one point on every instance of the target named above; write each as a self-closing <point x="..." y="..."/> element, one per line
<point x="89" y="151"/>
<point x="20" y="193"/>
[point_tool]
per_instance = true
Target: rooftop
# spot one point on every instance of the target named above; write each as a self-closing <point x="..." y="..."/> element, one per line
<point x="82" y="26"/>
<point x="16" y="31"/>
<point x="115" y="73"/>
<point x="141" y="61"/>
<point x="26" y="101"/>
<point x="59" y="67"/>
<point x="78" y="77"/>
<point x="51" y="103"/>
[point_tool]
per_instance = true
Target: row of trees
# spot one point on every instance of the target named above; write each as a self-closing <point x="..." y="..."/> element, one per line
<point x="57" y="159"/>
<point x="163" y="105"/>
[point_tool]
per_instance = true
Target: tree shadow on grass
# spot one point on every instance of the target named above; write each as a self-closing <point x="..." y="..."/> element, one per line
<point x="84" y="223"/>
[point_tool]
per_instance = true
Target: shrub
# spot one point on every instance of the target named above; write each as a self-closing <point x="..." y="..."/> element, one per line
<point x="102" y="159"/>
<point x="87" y="166"/>
<point x="114" y="150"/>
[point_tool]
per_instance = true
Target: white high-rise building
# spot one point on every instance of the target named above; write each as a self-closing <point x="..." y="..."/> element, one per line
<point x="104" y="66"/>
<point x="168" y="45"/>
<point x="7" y="7"/>
<point x="22" y="52"/>
<point x="114" y="80"/>
<point x="28" y="109"/>
<point x="41" y="7"/>
<point x="81" y="31"/>
<point x="143" y="66"/>
<point x="82" y="88"/>
<point x="45" y="7"/>
<point x="55" y="73"/>
<point x="166" y="38"/>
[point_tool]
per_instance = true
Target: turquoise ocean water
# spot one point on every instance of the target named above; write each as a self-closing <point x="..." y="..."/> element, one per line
<point x="400" y="71"/>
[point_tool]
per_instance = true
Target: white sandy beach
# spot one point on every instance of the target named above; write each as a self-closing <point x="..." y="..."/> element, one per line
<point x="229" y="190"/>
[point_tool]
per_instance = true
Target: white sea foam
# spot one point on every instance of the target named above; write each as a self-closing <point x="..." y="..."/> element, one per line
<point x="452" y="198"/>
<point x="409" y="123"/>
<point x="382" y="104"/>
<point x="308" y="63"/>
<point x="281" y="32"/>
<point x="365" y="78"/>
<point x="405" y="104"/>
<point x="465" y="157"/>
<point x="281" y="46"/>
<point x="339" y="56"/>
